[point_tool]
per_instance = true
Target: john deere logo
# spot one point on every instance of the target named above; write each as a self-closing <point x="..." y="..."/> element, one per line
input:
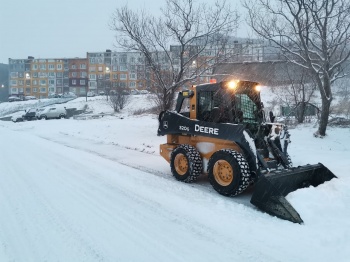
<point x="165" y="124"/>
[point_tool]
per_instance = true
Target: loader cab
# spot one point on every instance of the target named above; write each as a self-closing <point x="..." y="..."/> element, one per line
<point x="236" y="102"/>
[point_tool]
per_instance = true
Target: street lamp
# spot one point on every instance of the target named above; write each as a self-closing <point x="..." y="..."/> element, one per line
<point x="106" y="84"/>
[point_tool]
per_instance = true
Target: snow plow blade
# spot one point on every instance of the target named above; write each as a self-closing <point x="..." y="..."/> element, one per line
<point x="271" y="189"/>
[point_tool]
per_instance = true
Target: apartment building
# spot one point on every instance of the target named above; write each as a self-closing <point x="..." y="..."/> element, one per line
<point x="41" y="77"/>
<point x="111" y="70"/>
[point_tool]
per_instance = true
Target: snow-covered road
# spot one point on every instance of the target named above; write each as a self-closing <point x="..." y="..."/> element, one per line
<point x="63" y="204"/>
<point x="97" y="190"/>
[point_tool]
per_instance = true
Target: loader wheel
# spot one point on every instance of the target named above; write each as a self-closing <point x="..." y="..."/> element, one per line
<point x="186" y="163"/>
<point x="228" y="172"/>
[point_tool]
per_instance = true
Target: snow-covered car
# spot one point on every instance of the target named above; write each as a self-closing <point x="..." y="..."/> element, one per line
<point x="135" y="92"/>
<point x="69" y="95"/>
<point x="39" y="111"/>
<point x="29" y="98"/>
<point x="14" y="99"/>
<point x="90" y="94"/>
<point x="17" y="117"/>
<point x="30" y="114"/>
<point x="144" y="92"/>
<point x="53" y="112"/>
<point x="101" y="93"/>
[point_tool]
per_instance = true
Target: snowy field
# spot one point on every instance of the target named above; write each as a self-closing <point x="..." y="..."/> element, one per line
<point x="97" y="190"/>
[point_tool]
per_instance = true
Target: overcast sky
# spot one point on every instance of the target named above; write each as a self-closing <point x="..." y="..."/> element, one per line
<point x="63" y="28"/>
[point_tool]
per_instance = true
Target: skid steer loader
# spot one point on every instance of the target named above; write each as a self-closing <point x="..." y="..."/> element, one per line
<point x="220" y="129"/>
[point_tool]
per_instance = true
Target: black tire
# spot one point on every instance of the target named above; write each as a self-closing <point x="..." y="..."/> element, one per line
<point x="62" y="116"/>
<point x="186" y="163"/>
<point x="228" y="172"/>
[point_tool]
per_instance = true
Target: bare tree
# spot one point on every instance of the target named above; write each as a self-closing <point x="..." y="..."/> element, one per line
<point x="299" y="91"/>
<point x="118" y="99"/>
<point x="313" y="34"/>
<point x="189" y="29"/>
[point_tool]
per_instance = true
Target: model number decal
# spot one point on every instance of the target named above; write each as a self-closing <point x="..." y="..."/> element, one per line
<point x="184" y="128"/>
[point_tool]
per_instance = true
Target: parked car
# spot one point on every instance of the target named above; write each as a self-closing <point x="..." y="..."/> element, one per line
<point x="101" y="93"/>
<point x="17" y="117"/>
<point x="135" y="92"/>
<point x="39" y="111"/>
<point x="14" y="99"/>
<point x="29" y="98"/>
<point x="90" y="94"/>
<point x="53" y="112"/>
<point x="69" y="95"/>
<point x="30" y="114"/>
<point x="144" y="92"/>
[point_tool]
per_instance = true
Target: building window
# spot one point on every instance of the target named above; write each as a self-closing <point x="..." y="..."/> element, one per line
<point x="42" y="66"/>
<point x="82" y="82"/>
<point x="82" y="66"/>
<point x="51" y="82"/>
<point x="51" y="67"/>
<point x="51" y="90"/>
<point x="13" y="90"/>
<point x="74" y="74"/>
<point x="74" y="82"/>
<point x="132" y="84"/>
<point x="13" y="82"/>
<point x="20" y="82"/>
<point x="83" y="74"/>
<point x="100" y="69"/>
<point x="27" y="82"/>
<point x="92" y="60"/>
<point x="100" y="76"/>
<point x="132" y="76"/>
<point x="42" y="74"/>
<point x="14" y="74"/>
<point x="82" y="91"/>
<point x="27" y="90"/>
<point x="92" y="84"/>
<point x="59" y="82"/>
<point x="59" y="66"/>
<point x="92" y="76"/>
<point x="123" y="76"/>
<point x="115" y="76"/>
<point x="59" y="74"/>
<point x="35" y="90"/>
<point x="43" y="82"/>
<point x="35" y="67"/>
<point x="74" y="67"/>
<point x="123" y="68"/>
<point x="114" y="68"/>
<point x="92" y="68"/>
<point x="42" y="89"/>
<point x="35" y="82"/>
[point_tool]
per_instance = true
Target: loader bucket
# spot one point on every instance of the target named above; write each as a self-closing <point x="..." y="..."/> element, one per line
<point x="271" y="189"/>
